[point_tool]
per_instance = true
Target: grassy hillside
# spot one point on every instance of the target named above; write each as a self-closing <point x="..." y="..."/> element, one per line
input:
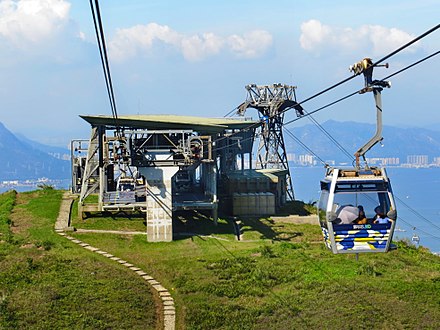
<point x="47" y="282"/>
<point x="279" y="277"/>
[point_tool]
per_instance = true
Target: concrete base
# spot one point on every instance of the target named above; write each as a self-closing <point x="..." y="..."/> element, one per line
<point x="159" y="230"/>
<point x="159" y="203"/>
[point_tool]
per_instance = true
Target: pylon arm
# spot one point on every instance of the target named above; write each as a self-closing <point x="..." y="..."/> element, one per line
<point x="282" y="106"/>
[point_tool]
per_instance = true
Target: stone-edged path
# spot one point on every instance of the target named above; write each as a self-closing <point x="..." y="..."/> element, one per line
<point x="62" y="224"/>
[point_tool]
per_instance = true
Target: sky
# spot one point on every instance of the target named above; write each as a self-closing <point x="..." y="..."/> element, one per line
<point x="196" y="57"/>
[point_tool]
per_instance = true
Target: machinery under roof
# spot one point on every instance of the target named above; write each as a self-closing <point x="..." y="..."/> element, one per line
<point x="171" y="122"/>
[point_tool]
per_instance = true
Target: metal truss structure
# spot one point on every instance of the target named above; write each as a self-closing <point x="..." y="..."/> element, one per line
<point x="271" y="102"/>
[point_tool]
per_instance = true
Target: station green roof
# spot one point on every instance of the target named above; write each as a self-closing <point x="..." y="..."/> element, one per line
<point x="169" y="122"/>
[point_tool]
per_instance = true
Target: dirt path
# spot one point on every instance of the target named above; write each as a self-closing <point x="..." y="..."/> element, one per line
<point x="63" y="219"/>
<point x="62" y="224"/>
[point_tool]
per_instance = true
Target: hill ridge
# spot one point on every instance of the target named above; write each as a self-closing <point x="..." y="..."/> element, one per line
<point x="22" y="161"/>
<point x="397" y="142"/>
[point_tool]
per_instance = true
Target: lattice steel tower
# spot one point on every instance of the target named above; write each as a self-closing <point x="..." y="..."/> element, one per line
<point x="271" y="102"/>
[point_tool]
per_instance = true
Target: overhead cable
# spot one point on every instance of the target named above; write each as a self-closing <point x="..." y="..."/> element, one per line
<point x="398" y="50"/>
<point x="357" y="92"/>
<point x="410" y="66"/>
<point x="423" y="35"/>
<point x="230" y="112"/>
<point x="418" y="229"/>
<point x="331" y="138"/>
<point x="417" y="213"/>
<point x="294" y="137"/>
<point x="255" y="125"/>
<point x="100" y="36"/>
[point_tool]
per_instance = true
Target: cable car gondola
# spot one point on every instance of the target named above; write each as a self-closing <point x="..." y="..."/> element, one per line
<point x="356" y="210"/>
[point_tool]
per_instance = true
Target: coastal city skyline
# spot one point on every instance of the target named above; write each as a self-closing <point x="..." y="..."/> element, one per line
<point x="414" y="161"/>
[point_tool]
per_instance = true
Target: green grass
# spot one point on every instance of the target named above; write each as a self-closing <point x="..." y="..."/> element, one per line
<point x="280" y="276"/>
<point x="7" y="202"/>
<point x="47" y="282"/>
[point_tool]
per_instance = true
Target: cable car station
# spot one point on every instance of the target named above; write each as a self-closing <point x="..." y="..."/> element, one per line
<point x="162" y="164"/>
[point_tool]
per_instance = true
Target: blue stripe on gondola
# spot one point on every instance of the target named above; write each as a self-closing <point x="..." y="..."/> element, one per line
<point x="326" y="237"/>
<point x="347" y="244"/>
<point x="379" y="244"/>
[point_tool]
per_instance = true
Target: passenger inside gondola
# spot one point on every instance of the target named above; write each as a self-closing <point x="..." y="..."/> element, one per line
<point x="362" y="218"/>
<point x="347" y="214"/>
<point x="380" y="217"/>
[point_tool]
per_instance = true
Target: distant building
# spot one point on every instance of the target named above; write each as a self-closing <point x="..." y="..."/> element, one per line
<point x="384" y="161"/>
<point x="411" y="161"/>
<point x="291" y="158"/>
<point x="307" y="160"/>
<point x="417" y="160"/>
<point x="10" y="183"/>
<point x="302" y="160"/>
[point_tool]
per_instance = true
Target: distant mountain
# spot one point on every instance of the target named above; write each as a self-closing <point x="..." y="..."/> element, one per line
<point x="57" y="152"/>
<point x="398" y="142"/>
<point x="433" y="127"/>
<point x="21" y="161"/>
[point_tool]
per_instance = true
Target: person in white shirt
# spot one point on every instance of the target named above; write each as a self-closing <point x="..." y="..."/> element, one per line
<point x="380" y="217"/>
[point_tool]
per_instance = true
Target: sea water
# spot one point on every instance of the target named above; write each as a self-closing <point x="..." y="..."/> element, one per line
<point x="62" y="184"/>
<point x="417" y="196"/>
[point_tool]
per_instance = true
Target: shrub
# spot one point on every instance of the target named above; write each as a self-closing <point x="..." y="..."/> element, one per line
<point x="45" y="186"/>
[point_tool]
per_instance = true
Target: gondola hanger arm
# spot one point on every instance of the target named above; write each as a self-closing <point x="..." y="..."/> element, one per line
<point x="376" y="86"/>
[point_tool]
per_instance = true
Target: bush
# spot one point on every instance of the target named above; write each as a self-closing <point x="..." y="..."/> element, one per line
<point x="45" y="186"/>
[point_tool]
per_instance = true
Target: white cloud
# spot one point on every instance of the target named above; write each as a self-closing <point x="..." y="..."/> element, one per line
<point x="377" y="40"/>
<point x="196" y="48"/>
<point x="142" y="39"/>
<point x="313" y="34"/>
<point x="32" y="21"/>
<point x="252" y="44"/>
